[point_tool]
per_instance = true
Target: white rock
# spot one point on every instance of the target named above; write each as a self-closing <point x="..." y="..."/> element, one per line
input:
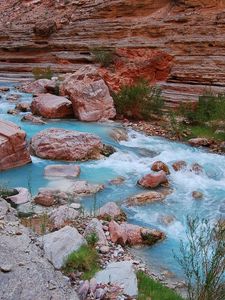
<point x="59" y="244"/>
<point x="121" y="274"/>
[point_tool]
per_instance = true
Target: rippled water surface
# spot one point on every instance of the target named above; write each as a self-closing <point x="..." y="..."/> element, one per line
<point x="133" y="159"/>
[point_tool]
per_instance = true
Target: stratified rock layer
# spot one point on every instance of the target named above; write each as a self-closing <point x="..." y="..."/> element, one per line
<point x="13" y="149"/>
<point x="190" y="31"/>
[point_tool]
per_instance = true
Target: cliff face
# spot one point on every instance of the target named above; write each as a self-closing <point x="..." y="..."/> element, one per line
<point x="61" y="32"/>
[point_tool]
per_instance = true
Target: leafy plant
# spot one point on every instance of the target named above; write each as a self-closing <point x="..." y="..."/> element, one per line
<point x="85" y="260"/>
<point x="203" y="260"/>
<point x="103" y="56"/>
<point x="176" y="126"/>
<point x="151" y="289"/>
<point x="139" y="101"/>
<point x="42" y="73"/>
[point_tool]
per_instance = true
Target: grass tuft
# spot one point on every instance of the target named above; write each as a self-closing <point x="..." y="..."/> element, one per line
<point x="85" y="260"/>
<point x="151" y="289"/>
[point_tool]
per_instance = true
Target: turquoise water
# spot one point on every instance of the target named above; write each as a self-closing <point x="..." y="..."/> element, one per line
<point x="129" y="162"/>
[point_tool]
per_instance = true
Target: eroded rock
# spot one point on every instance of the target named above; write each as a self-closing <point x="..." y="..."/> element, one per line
<point x="153" y="180"/>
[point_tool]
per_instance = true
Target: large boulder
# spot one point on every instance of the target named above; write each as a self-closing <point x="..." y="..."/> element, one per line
<point x="61" y="144"/>
<point x="13" y="149"/>
<point x="198" y="142"/>
<point x="23" y="196"/>
<point x="89" y="95"/>
<point x="153" y="180"/>
<point x="51" y="106"/>
<point x="121" y="274"/>
<point x="59" y="244"/>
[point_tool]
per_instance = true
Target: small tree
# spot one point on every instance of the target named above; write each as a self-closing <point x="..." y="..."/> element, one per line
<point x="203" y="260"/>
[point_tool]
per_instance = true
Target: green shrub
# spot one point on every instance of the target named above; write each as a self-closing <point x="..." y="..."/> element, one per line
<point x="209" y="107"/>
<point x="139" y="101"/>
<point x="151" y="289"/>
<point x="102" y="56"/>
<point x="42" y="73"/>
<point x="203" y="260"/>
<point x="85" y="260"/>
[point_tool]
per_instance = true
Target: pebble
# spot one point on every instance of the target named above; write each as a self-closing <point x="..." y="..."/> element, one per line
<point x="5" y="267"/>
<point x="75" y="205"/>
<point x="104" y="249"/>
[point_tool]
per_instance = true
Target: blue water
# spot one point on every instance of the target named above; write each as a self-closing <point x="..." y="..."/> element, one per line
<point x="130" y="163"/>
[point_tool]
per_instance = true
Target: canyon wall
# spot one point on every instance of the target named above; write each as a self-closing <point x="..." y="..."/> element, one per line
<point x="61" y="33"/>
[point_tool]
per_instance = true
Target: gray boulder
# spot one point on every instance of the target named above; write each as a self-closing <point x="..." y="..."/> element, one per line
<point x="120" y="274"/>
<point x="59" y="244"/>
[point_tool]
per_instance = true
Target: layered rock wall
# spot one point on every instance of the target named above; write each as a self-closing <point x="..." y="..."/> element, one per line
<point x="191" y="31"/>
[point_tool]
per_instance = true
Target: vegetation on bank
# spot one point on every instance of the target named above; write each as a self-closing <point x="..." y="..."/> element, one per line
<point x="85" y="260"/>
<point x="203" y="259"/>
<point x="139" y="101"/>
<point x="151" y="289"/>
<point x="42" y="73"/>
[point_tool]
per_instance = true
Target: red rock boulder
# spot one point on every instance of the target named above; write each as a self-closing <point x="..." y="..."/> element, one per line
<point x="153" y="180"/>
<point x="89" y="95"/>
<point x="160" y="166"/>
<point x="179" y="165"/>
<point x="13" y="149"/>
<point x="51" y="106"/>
<point x="70" y="145"/>
<point x="133" y="235"/>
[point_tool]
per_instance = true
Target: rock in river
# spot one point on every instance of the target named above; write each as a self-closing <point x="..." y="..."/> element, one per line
<point x="51" y="106"/>
<point x="89" y="95"/>
<point x="13" y="149"/>
<point x="70" y="145"/>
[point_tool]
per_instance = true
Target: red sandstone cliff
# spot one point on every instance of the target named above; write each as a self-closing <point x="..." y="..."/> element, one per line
<point x="60" y="33"/>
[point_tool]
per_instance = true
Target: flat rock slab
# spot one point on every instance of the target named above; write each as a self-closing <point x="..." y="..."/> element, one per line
<point x="59" y="244"/>
<point x="70" y="145"/>
<point x="25" y="272"/>
<point x="23" y="197"/>
<point x="62" y="171"/>
<point x="13" y="149"/>
<point x="51" y="106"/>
<point x="121" y="274"/>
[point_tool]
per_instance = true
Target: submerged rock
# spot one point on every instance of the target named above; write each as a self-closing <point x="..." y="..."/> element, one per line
<point x="197" y="195"/>
<point x="144" y="198"/>
<point x="13" y="149"/>
<point x="62" y="171"/>
<point x="119" y="134"/>
<point x="179" y="165"/>
<point x="59" y="244"/>
<point x="23" y="106"/>
<point x="89" y="95"/>
<point x="51" y="106"/>
<point x="121" y="274"/>
<point x="196" y="168"/>
<point x="153" y="180"/>
<point x="61" y="144"/>
<point x="31" y="118"/>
